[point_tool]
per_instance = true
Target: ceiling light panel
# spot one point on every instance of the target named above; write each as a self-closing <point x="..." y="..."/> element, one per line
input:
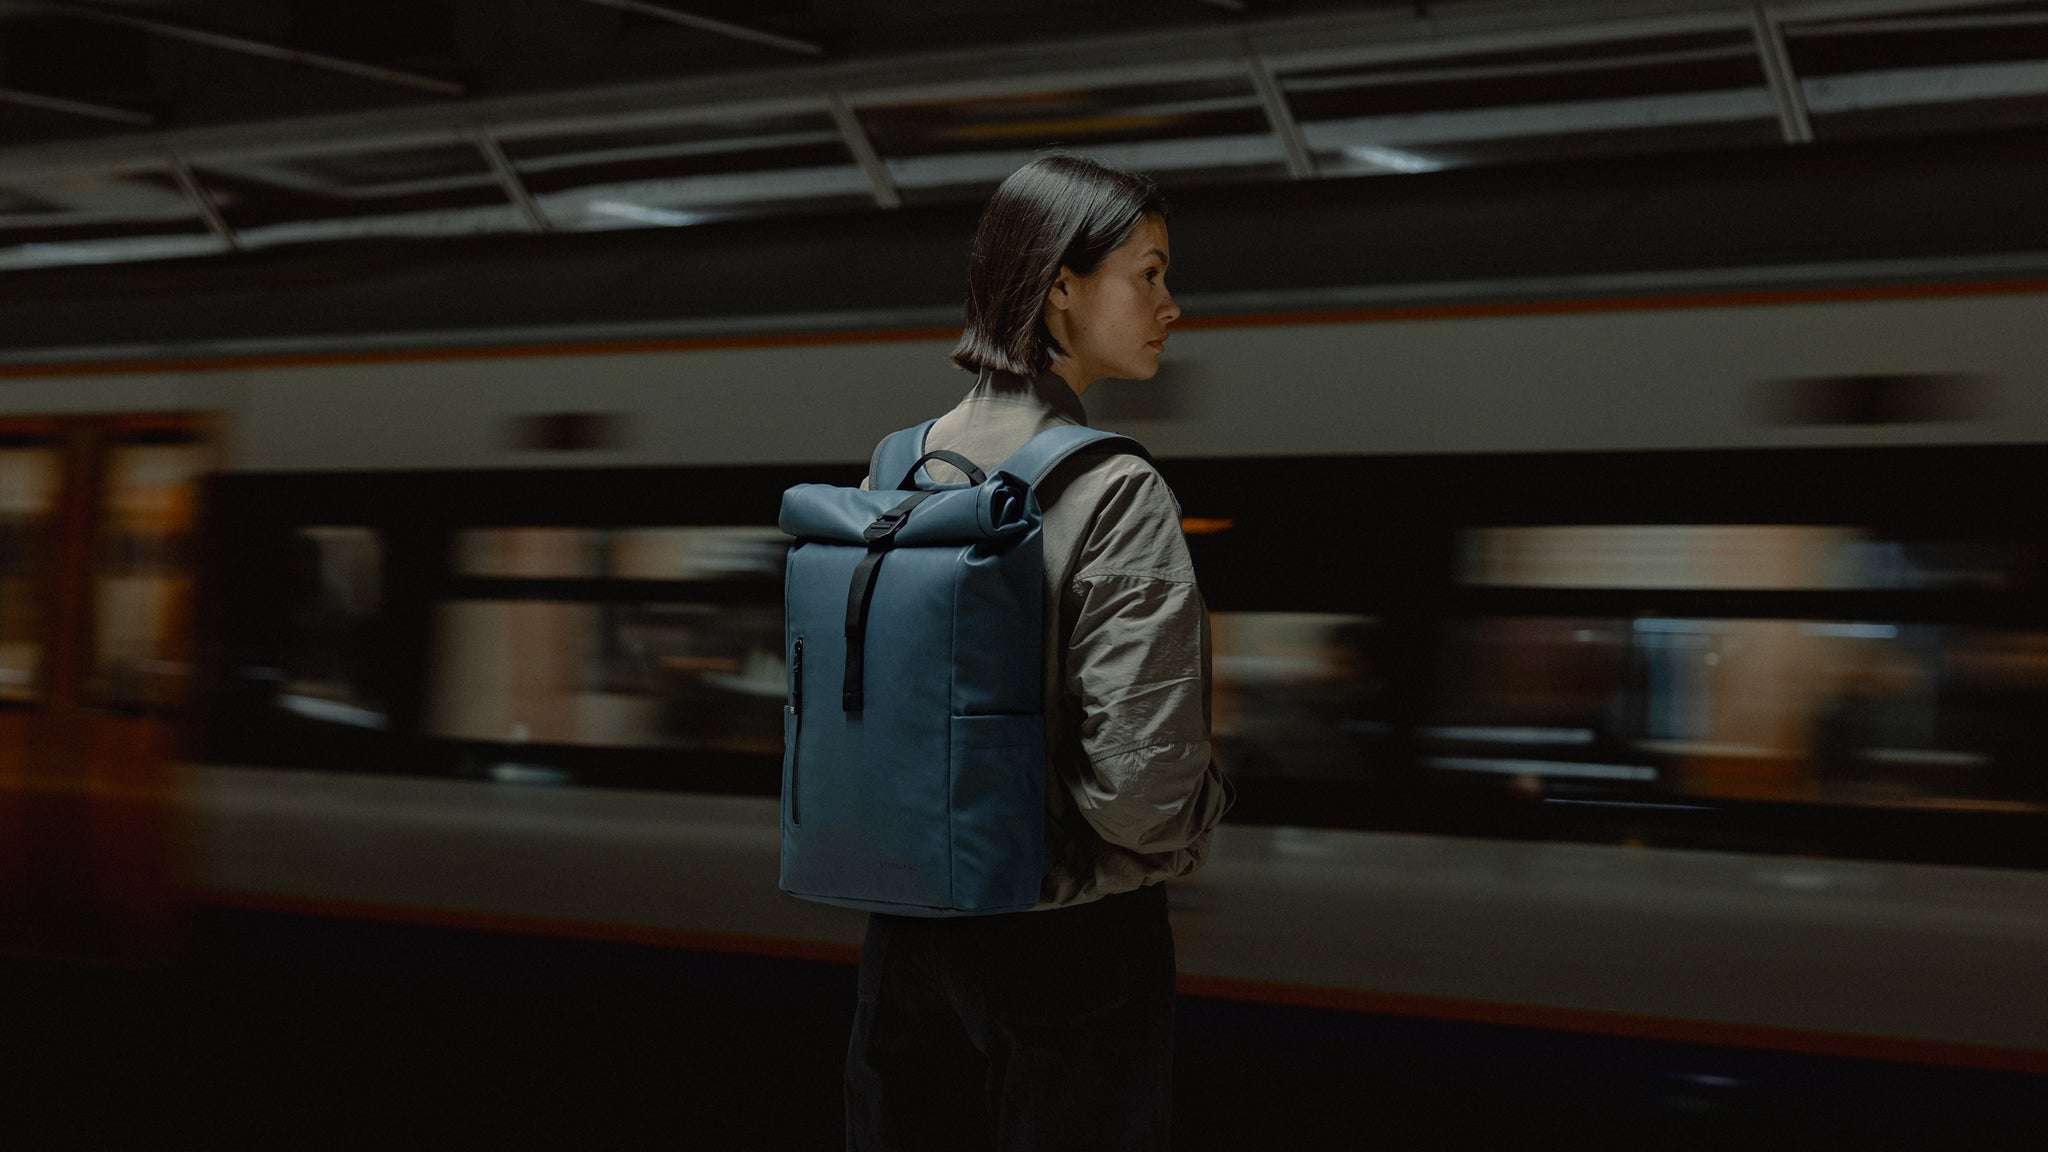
<point x="1186" y="131"/>
<point x="99" y="218"/>
<point x="1702" y="90"/>
<point x="689" y="172"/>
<point x="437" y="189"/>
<point x="1927" y="72"/>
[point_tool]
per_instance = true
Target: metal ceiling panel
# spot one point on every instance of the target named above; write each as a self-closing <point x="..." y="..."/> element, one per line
<point x="99" y="218"/>
<point x="1924" y="72"/>
<point x="689" y="172"/>
<point x="422" y="190"/>
<point x="1669" y="93"/>
<point x="1207" y="131"/>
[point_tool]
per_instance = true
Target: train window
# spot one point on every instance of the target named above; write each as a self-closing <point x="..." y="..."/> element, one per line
<point x="621" y="554"/>
<point x="558" y="651"/>
<point x="143" y="587"/>
<point x="1735" y="557"/>
<point x="335" y="598"/>
<point x="1301" y="696"/>
<point x="539" y="553"/>
<point x="1656" y="709"/>
<point x="675" y="675"/>
<point x="30" y="479"/>
<point x="697" y="553"/>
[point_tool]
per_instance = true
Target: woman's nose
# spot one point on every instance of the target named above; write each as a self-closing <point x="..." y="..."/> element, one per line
<point x="1171" y="312"/>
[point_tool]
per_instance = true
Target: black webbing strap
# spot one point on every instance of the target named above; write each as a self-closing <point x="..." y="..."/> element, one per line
<point x="857" y="600"/>
<point x="974" y="475"/>
<point x="881" y="536"/>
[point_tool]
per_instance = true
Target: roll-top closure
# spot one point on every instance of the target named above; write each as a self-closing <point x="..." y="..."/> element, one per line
<point x="995" y="509"/>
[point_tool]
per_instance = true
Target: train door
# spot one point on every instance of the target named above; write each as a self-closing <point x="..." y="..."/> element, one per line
<point x="98" y="518"/>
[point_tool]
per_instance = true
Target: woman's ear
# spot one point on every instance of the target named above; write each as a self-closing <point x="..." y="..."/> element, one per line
<point x="1061" y="295"/>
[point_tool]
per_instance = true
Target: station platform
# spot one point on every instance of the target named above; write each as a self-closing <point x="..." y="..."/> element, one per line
<point x="281" y="1031"/>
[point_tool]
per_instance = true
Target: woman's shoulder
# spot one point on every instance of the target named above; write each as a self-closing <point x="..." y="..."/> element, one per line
<point x="1121" y="492"/>
<point x="1114" y="466"/>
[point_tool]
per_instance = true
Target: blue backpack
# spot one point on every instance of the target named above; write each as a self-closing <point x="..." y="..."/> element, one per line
<point x="913" y="770"/>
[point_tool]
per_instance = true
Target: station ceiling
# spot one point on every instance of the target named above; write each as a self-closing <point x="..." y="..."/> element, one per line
<point x="141" y="129"/>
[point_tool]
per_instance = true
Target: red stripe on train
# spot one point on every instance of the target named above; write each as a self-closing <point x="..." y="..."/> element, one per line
<point x="1382" y="315"/>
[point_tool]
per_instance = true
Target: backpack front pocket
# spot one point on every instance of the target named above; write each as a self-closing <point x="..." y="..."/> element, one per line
<point x="998" y="810"/>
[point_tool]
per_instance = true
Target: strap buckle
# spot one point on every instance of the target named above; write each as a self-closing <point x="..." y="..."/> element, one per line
<point x="883" y="531"/>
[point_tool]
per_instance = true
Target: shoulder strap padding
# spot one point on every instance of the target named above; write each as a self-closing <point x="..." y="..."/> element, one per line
<point x="1046" y="451"/>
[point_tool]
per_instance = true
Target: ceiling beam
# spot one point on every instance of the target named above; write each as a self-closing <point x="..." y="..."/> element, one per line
<point x="229" y="42"/>
<point x="1801" y="11"/>
<point x="508" y="180"/>
<point x="1783" y="82"/>
<point x="864" y="153"/>
<point x="1965" y="22"/>
<point x="76" y="107"/>
<point x="709" y="24"/>
<point x="1301" y="163"/>
<point x="202" y="201"/>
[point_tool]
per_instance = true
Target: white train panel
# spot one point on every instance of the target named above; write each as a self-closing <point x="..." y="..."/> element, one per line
<point x="1589" y="380"/>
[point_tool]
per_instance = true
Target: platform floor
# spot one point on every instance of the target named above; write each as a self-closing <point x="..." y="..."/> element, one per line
<point x="286" y="1032"/>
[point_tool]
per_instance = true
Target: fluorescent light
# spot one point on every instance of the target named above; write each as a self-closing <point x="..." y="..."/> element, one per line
<point x="642" y="214"/>
<point x="1391" y="159"/>
<point x="111" y="251"/>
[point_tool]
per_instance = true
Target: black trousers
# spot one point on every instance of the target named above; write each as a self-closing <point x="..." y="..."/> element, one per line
<point x="1033" y="1030"/>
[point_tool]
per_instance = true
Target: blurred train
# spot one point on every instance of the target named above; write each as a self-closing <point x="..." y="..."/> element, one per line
<point x="1598" y="651"/>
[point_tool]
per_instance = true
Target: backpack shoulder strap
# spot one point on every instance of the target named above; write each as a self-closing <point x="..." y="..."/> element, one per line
<point x="1046" y="451"/>
<point x="896" y="454"/>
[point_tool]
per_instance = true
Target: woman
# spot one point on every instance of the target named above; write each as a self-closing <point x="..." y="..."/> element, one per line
<point x="1053" y="1028"/>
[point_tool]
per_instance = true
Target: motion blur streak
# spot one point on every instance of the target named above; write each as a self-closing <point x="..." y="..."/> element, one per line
<point x="97" y="586"/>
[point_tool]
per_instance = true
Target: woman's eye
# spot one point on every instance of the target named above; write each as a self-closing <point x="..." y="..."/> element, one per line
<point x="1151" y="274"/>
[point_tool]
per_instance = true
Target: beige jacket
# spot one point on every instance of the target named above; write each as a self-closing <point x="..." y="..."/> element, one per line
<point x="1132" y="791"/>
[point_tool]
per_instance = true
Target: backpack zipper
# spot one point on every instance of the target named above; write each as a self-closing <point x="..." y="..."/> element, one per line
<point x="796" y="710"/>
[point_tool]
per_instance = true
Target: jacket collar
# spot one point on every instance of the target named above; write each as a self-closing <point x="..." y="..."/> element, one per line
<point x="1045" y="390"/>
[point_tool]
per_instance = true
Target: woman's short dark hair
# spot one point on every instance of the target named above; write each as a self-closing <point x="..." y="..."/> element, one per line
<point x="1056" y="210"/>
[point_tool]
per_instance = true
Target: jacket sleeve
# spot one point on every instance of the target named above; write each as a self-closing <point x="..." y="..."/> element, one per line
<point x="1137" y="669"/>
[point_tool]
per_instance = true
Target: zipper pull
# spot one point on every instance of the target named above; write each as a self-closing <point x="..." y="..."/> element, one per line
<point x="796" y="678"/>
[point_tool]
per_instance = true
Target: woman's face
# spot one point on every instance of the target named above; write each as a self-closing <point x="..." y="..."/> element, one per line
<point x="1113" y="321"/>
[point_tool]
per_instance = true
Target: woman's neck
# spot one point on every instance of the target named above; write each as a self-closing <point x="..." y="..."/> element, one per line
<point x="1070" y="370"/>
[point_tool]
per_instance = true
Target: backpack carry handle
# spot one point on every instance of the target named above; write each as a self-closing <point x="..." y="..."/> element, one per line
<point x="898" y="454"/>
<point x="974" y="475"/>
